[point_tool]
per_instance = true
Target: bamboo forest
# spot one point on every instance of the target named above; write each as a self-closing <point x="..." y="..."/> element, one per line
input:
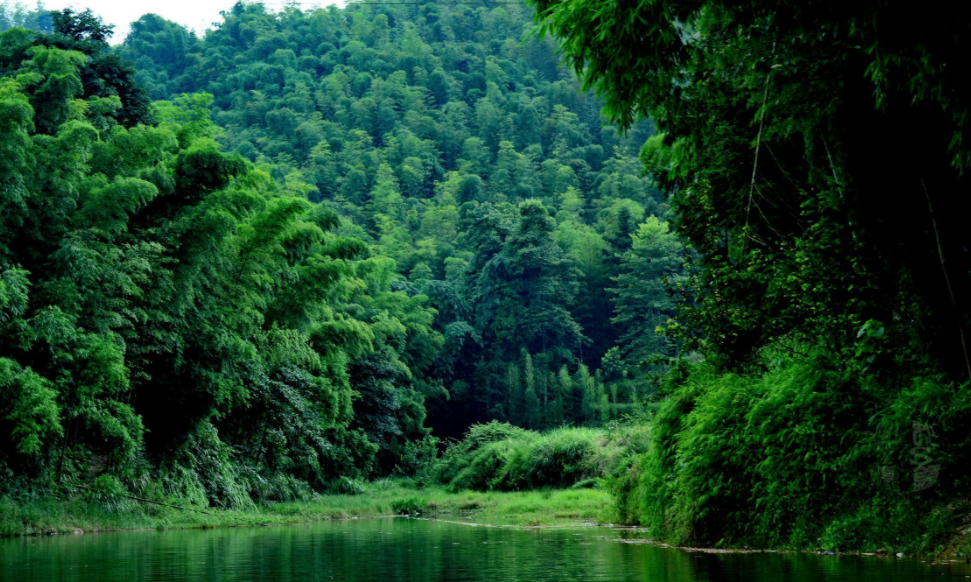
<point x="593" y="290"/>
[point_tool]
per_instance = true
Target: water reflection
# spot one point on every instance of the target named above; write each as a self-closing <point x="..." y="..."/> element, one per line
<point x="399" y="550"/>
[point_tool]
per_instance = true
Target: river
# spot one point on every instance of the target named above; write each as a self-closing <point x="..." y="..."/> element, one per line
<point x="413" y="550"/>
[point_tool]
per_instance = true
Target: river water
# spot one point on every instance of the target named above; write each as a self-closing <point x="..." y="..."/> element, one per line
<point x="413" y="550"/>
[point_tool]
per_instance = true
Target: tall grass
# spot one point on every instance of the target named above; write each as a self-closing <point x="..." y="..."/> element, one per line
<point x="38" y="515"/>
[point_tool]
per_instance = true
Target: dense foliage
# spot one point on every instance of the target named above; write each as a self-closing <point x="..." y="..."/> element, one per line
<point x="168" y="306"/>
<point x="782" y="130"/>
<point x="327" y="224"/>
<point x="815" y="154"/>
<point x="806" y="454"/>
<point x="500" y="456"/>
<point x="453" y="144"/>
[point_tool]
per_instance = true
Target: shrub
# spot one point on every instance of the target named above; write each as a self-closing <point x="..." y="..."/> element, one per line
<point x="793" y="457"/>
<point x="108" y="492"/>
<point x="504" y="457"/>
<point x="407" y="506"/>
<point x="348" y="486"/>
<point x="556" y="459"/>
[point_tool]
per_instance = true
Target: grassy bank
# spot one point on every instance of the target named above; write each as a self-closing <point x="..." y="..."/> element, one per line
<point x="497" y="471"/>
<point x="546" y="507"/>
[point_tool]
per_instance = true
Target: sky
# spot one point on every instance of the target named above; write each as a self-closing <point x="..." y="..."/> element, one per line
<point x="198" y="15"/>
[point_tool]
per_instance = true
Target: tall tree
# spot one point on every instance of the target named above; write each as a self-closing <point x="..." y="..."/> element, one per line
<point x="642" y="297"/>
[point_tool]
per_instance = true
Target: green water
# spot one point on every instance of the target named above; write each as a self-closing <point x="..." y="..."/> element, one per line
<point x="391" y="550"/>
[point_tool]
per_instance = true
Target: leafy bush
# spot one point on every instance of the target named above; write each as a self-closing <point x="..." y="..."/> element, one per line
<point x="108" y="492"/>
<point x="505" y="457"/>
<point x="556" y="459"/>
<point x="419" y="457"/>
<point x="794" y="457"/>
<point x="481" y="467"/>
<point x="458" y="457"/>
<point x="407" y="506"/>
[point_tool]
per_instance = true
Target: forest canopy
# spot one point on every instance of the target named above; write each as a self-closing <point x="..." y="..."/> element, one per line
<point x="331" y="235"/>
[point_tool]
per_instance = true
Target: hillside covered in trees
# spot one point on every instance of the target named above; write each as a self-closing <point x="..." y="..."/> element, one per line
<point x="451" y="143"/>
<point x="330" y="236"/>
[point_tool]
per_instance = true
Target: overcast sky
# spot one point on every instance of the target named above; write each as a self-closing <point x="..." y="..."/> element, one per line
<point x="196" y="14"/>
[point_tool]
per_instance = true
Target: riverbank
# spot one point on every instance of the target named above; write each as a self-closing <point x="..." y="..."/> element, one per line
<point x="543" y="508"/>
<point x="528" y="508"/>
